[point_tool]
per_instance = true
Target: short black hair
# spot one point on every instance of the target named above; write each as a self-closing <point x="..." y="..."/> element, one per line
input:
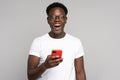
<point x="56" y="4"/>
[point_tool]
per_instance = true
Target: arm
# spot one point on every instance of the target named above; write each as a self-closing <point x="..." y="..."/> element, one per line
<point x="34" y="71"/>
<point x="79" y="69"/>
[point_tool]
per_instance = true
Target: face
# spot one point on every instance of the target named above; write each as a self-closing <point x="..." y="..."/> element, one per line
<point x="57" y="20"/>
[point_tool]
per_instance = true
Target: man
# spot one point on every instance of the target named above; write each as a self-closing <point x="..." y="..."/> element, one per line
<point x="42" y="65"/>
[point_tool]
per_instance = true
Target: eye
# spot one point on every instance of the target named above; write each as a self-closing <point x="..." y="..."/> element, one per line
<point x="52" y="17"/>
<point x="61" y="17"/>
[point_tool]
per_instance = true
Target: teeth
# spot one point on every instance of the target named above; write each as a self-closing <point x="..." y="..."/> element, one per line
<point x="57" y="24"/>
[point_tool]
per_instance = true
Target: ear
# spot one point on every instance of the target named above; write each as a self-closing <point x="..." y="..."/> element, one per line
<point x="66" y="19"/>
<point x="48" y="20"/>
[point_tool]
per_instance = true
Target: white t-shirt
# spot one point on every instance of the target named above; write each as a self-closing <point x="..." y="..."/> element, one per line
<point x="71" y="48"/>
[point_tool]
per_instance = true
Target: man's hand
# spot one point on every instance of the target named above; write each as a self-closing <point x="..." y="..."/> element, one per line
<point x="52" y="61"/>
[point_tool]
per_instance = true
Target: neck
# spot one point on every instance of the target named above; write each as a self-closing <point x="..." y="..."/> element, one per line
<point x="57" y="36"/>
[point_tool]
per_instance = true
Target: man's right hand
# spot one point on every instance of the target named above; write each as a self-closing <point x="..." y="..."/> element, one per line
<point x="52" y="61"/>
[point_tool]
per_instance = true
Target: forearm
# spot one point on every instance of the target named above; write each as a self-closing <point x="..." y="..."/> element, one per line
<point x="79" y="69"/>
<point x="80" y="76"/>
<point x="33" y="74"/>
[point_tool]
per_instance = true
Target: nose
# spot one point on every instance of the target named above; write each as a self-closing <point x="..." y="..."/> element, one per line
<point x="57" y="18"/>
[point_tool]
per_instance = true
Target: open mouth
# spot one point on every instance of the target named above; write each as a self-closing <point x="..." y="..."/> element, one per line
<point x="57" y="26"/>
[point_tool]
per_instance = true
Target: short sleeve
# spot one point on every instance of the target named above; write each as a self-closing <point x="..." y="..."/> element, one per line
<point x="79" y="49"/>
<point x="35" y="48"/>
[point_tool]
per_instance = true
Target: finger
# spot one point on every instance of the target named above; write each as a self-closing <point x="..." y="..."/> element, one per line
<point x="48" y="57"/>
<point x="58" y="60"/>
<point x="54" y="57"/>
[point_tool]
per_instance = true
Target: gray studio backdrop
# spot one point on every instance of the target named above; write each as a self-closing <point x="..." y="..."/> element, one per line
<point x="95" y="22"/>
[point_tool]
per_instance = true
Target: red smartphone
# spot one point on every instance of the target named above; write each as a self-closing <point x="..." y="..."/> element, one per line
<point x="57" y="52"/>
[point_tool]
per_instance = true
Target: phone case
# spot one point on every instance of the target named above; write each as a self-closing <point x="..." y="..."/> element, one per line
<point x="57" y="53"/>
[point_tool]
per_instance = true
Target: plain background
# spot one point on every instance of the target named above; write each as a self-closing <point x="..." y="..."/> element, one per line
<point x="95" y="22"/>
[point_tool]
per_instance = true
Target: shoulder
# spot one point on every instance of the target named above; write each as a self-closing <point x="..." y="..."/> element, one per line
<point x="40" y="38"/>
<point x="73" y="38"/>
<point x="43" y="37"/>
